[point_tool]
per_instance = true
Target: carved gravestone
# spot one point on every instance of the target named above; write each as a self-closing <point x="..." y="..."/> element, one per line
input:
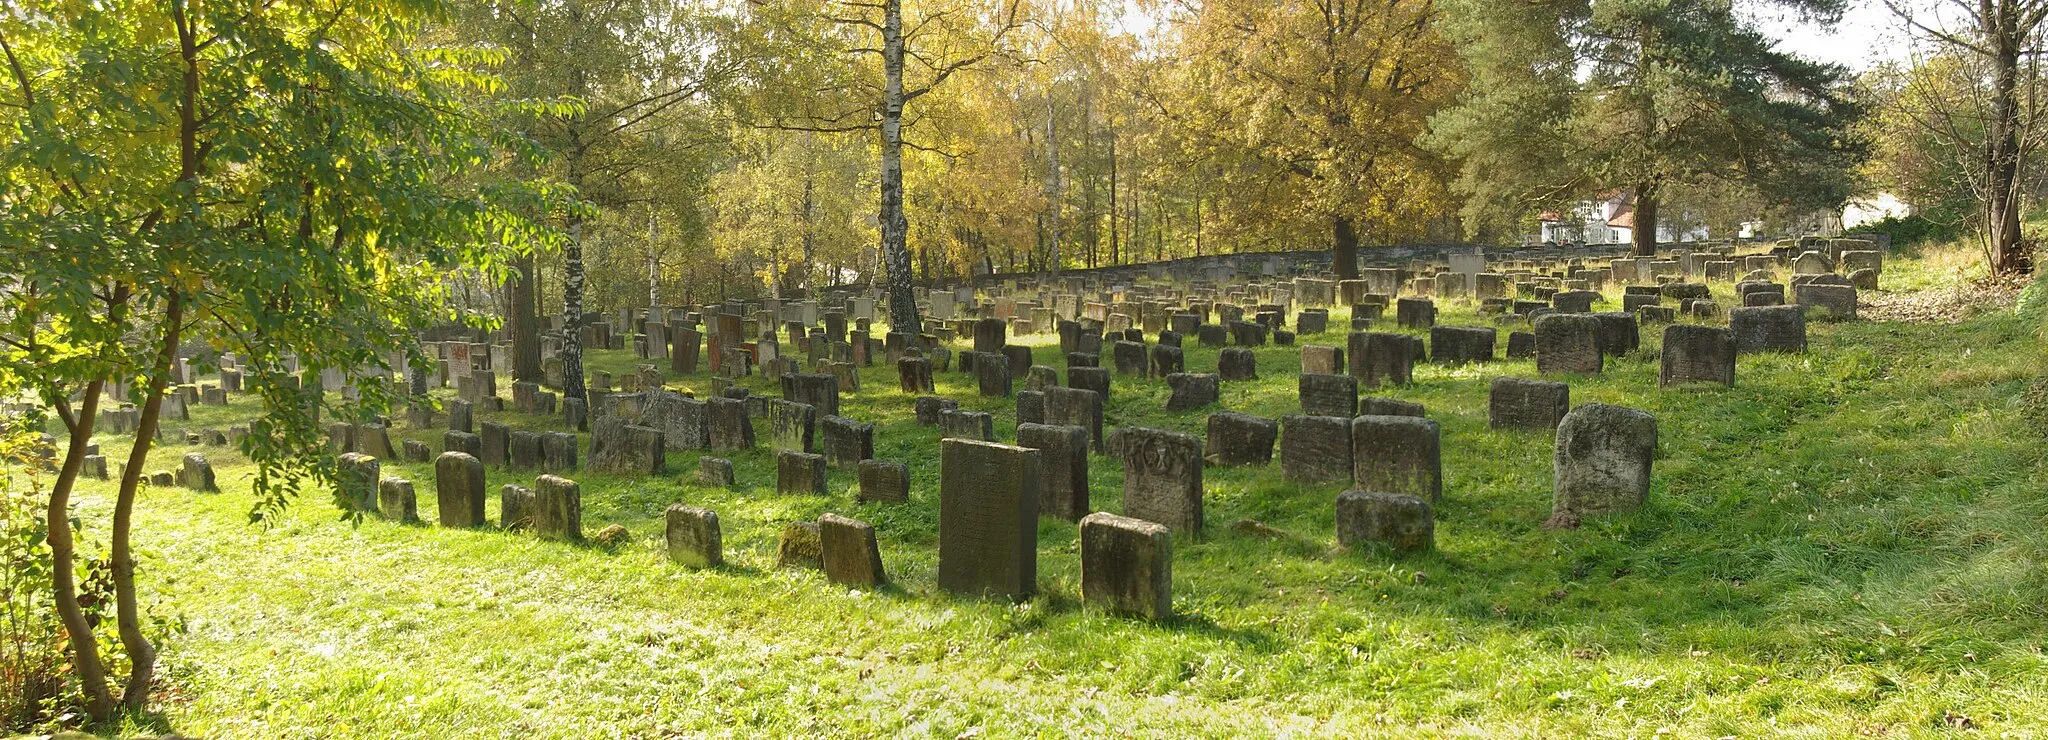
<point x="1524" y="403"/>
<point x="1162" y="477"/>
<point x="1127" y="565"/>
<point x="1568" y="343"/>
<point x="731" y="427"/>
<point x="693" y="537"/>
<point x="1379" y="358"/>
<point x="791" y="425"/>
<point x="1697" y="354"/>
<point x="977" y="425"/>
<point x="714" y="471"/>
<point x="516" y="508"/>
<point x="1322" y="360"/>
<point x="799" y="472"/>
<point x="459" y="489"/>
<point x="1458" y="345"/>
<point x="927" y="408"/>
<point x="1395" y="521"/>
<point x="558" y="508"/>
<point x="1075" y="407"/>
<point x="1237" y="363"/>
<point x="881" y="480"/>
<point x="1315" y="449"/>
<point x="849" y="552"/>
<point x="847" y="442"/>
<point x="1241" y="439"/>
<point x="684" y="422"/>
<point x="355" y="482"/>
<point x="1602" y="464"/>
<point x="1768" y="328"/>
<point x="397" y="502"/>
<point x="1063" y="460"/>
<point x="1328" y="395"/>
<point x="1397" y="454"/>
<point x="988" y="518"/>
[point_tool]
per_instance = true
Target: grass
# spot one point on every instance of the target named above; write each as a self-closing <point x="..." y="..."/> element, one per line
<point x="1846" y="542"/>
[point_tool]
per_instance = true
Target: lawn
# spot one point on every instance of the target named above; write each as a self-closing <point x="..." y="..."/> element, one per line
<point x="1848" y="541"/>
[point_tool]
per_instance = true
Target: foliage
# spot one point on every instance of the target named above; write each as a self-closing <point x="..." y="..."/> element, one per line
<point x="33" y="663"/>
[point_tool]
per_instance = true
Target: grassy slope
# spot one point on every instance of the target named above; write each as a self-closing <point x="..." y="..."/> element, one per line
<point x="1846" y="541"/>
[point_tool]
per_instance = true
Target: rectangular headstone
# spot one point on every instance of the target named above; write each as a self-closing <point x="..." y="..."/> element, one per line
<point x="988" y="518"/>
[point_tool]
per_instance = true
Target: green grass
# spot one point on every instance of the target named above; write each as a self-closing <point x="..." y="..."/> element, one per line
<point x="1848" y="541"/>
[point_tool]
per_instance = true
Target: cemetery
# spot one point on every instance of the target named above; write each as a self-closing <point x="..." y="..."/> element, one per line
<point x="1006" y="369"/>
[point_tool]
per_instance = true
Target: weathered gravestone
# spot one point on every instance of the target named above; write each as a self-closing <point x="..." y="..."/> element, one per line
<point x="992" y="375"/>
<point x="459" y="489"/>
<point x="1768" y="328"/>
<point x="355" y="482"/>
<point x="1167" y="360"/>
<point x="524" y="452"/>
<point x="914" y="375"/>
<point x="1568" y="343"/>
<point x="1524" y="403"/>
<point x="881" y="480"/>
<point x="397" y="502"/>
<point x="1162" y="477"/>
<point x="978" y="425"/>
<point x="1078" y="407"/>
<point x="558" y="452"/>
<point x="799" y="547"/>
<point x="1397" y="454"/>
<point x="791" y="425"/>
<point x="1328" y="395"/>
<point x="1240" y="439"/>
<point x="731" y="427"/>
<point x="1834" y="302"/>
<point x="516" y="508"/>
<point x="1315" y="449"/>
<point x="1697" y="354"/>
<point x="1063" y="476"/>
<point x="195" y="473"/>
<point x="1192" y="390"/>
<point x="1237" y="363"/>
<point x="1127" y="565"/>
<point x="416" y="451"/>
<point x="849" y="552"/>
<point x="684" y="422"/>
<point x="1090" y="378"/>
<point x="799" y="472"/>
<point x="1396" y="521"/>
<point x="927" y="408"/>
<point x="1129" y="358"/>
<point x="1602" y="464"/>
<point x="558" y="508"/>
<point x="620" y="447"/>
<point x="847" y="442"/>
<point x="497" y="443"/>
<point x="1378" y="358"/>
<point x="1458" y="345"/>
<point x="988" y="518"/>
<point x="1322" y="360"/>
<point x="819" y="390"/>
<point x="714" y="471"/>
<point x="1384" y="406"/>
<point x="1030" y="407"/>
<point x="693" y="537"/>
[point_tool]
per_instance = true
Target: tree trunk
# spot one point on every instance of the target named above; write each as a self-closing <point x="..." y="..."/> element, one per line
<point x="654" y="270"/>
<point x="572" y="313"/>
<point x="1052" y="188"/>
<point x="1644" y="235"/>
<point x="141" y="654"/>
<point x="525" y="320"/>
<point x="1343" y="248"/>
<point x="85" y="650"/>
<point x="2002" y="146"/>
<point x="895" y="227"/>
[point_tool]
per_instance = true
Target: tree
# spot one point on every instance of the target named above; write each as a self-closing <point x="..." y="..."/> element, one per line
<point x="883" y="69"/>
<point x="1311" y="110"/>
<point x="268" y="179"/>
<point x="1573" y="98"/>
<point x="1995" y="111"/>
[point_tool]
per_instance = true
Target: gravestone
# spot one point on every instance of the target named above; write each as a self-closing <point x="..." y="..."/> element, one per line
<point x="459" y="489"/>
<point x="1030" y="407"/>
<point x="1129" y="358"/>
<point x="195" y="473"/>
<point x="1328" y="395"/>
<point x="1090" y="378"/>
<point x="1768" y="328"/>
<point x="1167" y="360"/>
<point x="1394" y="521"/>
<point x="927" y="408"/>
<point x="355" y="482"/>
<point x="1241" y="439"/>
<point x="1237" y="363"/>
<point x="731" y="427"/>
<point x="1127" y="565"/>
<point x="684" y="422"/>
<point x="397" y="502"/>
<point x="791" y="425"/>
<point x="524" y="452"/>
<point x="1383" y="406"/>
<point x="1618" y="333"/>
<point x="799" y="472"/>
<point x="416" y="451"/>
<point x="620" y="447"/>
<point x="1834" y="302"/>
<point x="914" y="375"/>
<point x="517" y="507"/>
<point x="1458" y="345"/>
<point x="1415" y="313"/>
<point x="988" y="518"/>
<point x="1602" y="464"/>
<point x="847" y="442"/>
<point x="558" y="508"/>
<point x="1192" y="390"/>
<point x="497" y="443"/>
<point x="463" y="442"/>
<point x="714" y="471"/>
<point x="1525" y="403"/>
<point x="1697" y="354"/>
<point x="1322" y="360"/>
<point x="849" y="552"/>
<point x="1162" y="477"/>
<point x="1077" y="407"/>
<point x="1397" y="454"/>
<point x="1574" y="301"/>
<point x="558" y="451"/>
<point x="1378" y="358"/>
<point x="976" y="425"/>
<point x="693" y="537"/>
<point x="1315" y="449"/>
<point x="1063" y="477"/>
<point x="881" y="480"/>
<point x="819" y="390"/>
<point x="1568" y="343"/>
<point x="992" y="375"/>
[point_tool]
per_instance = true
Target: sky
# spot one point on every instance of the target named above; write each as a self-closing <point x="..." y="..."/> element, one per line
<point x="1867" y="35"/>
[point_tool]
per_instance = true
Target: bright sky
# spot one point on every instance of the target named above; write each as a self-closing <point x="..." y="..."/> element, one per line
<point x="1867" y="35"/>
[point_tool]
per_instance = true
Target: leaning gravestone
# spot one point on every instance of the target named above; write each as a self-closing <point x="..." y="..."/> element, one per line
<point x="1396" y="521"/>
<point x="558" y="508"/>
<point x="1241" y="439"/>
<point x="1697" y="354"/>
<point x="1127" y="565"/>
<point x="459" y="489"/>
<point x="1602" y="462"/>
<point x="1162" y="477"/>
<point x="693" y="537"/>
<point x="196" y="473"/>
<point x="849" y="552"/>
<point x="1567" y="343"/>
<point x="1397" y="454"/>
<point x="988" y="518"/>
<point x="1524" y="403"/>
<point x="1063" y="478"/>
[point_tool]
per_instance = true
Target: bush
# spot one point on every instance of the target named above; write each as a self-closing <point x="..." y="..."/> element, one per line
<point x="1913" y="231"/>
<point x="32" y="658"/>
